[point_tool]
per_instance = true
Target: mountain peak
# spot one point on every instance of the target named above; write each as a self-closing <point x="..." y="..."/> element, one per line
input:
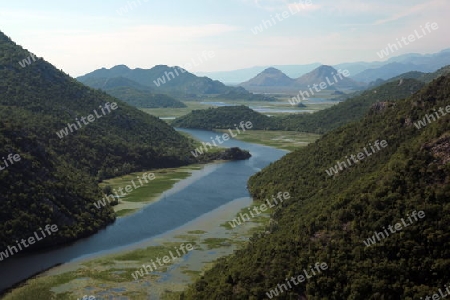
<point x="328" y="75"/>
<point x="269" y="77"/>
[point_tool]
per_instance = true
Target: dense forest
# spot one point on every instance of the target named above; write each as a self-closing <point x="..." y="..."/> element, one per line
<point x="133" y="93"/>
<point x="328" y="217"/>
<point x="225" y="117"/>
<point x="56" y="179"/>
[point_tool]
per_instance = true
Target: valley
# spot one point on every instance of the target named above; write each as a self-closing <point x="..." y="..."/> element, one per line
<point x="290" y="158"/>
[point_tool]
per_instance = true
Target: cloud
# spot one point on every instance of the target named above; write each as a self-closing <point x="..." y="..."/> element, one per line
<point x="420" y="8"/>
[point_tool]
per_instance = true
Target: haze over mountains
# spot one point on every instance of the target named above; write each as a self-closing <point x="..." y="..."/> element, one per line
<point x="322" y="78"/>
<point x="360" y="71"/>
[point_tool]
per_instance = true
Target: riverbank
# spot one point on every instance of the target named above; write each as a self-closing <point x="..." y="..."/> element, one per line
<point x="286" y="140"/>
<point x="104" y="263"/>
<point x="149" y="192"/>
<point x="111" y="275"/>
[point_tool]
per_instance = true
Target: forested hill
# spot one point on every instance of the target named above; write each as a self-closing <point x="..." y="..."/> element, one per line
<point x="176" y="82"/>
<point x="132" y="92"/>
<point x="55" y="181"/>
<point x="225" y="117"/>
<point x="351" y="109"/>
<point x="322" y="121"/>
<point x="328" y="218"/>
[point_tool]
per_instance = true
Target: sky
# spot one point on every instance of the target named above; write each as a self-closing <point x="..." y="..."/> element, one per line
<point x="220" y="35"/>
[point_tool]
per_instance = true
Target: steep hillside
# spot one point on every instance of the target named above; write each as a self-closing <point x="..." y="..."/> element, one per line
<point x="174" y="81"/>
<point x="330" y="218"/>
<point x="269" y="77"/>
<point x="54" y="179"/>
<point x="225" y="117"/>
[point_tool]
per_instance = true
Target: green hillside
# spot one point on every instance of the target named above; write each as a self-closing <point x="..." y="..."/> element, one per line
<point x="351" y="109"/>
<point x="143" y="99"/>
<point x="56" y="179"/>
<point x="225" y="117"/>
<point x="328" y="217"/>
<point x="133" y="93"/>
<point x="176" y="82"/>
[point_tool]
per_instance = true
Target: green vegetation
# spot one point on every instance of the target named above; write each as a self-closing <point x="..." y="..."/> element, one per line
<point x="328" y="218"/>
<point x="319" y="122"/>
<point x="225" y="117"/>
<point x="133" y="93"/>
<point x="350" y="110"/>
<point x="175" y="82"/>
<point x="56" y="180"/>
<point x="288" y="140"/>
<point x="143" y="99"/>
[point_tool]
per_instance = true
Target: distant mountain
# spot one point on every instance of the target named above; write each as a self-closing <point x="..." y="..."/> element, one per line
<point x="405" y="63"/>
<point x="326" y="74"/>
<point x="132" y="92"/>
<point x="242" y="75"/>
<point x="420" y="76"/>
<point x="269" y="77"/>
<point x="174" y="81"/>
<point x="295" y="71"/>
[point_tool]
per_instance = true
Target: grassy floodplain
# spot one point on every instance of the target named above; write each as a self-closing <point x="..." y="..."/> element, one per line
<point x="149" y="192"/>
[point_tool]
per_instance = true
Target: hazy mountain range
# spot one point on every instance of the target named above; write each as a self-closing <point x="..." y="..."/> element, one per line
<point x="360" y="71"/>
<point x="321" y="78"/>
<point x="173" y="81"/>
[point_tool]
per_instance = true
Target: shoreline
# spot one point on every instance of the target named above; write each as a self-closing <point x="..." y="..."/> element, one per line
<point x="209" y="232"/>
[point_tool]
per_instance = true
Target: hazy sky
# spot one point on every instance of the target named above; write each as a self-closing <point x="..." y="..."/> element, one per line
<point x="83" y="35"/>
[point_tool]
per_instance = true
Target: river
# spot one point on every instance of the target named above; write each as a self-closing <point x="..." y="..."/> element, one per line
<point x="189" y="199"/>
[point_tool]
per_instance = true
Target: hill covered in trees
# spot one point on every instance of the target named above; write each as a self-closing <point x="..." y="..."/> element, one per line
<point x="328" y="218"/>
<point x="133" y="93"/>
<point x="63" y="153"/>
<point x="176" y="82"/>
<point x="320" y="122"/>
<point x="225" y="117"/>
<point x="351" y="109"/>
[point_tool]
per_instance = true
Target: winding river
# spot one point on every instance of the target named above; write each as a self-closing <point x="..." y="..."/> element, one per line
<point x="189" y="199"/>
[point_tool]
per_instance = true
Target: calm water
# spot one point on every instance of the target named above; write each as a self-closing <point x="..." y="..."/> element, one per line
<point x="206" y="190"/>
